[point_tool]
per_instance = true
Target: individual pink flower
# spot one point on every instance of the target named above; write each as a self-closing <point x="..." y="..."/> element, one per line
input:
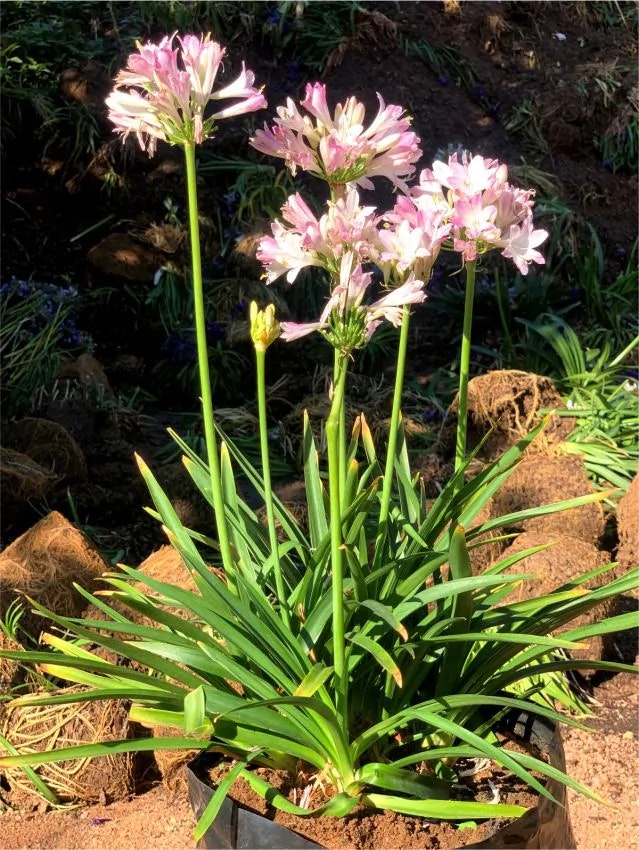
<point x="472" y="175"/>
<point x="164" y="91"/>
<point x="338" y="147"/>
<point x="284" y="253"/>
<point x="520" y="245"/>
<point x="411" y="240"/>
<point x="473" y="226"/>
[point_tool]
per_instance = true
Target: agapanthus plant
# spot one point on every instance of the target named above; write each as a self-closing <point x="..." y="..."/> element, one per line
<point x="361" y="652"/>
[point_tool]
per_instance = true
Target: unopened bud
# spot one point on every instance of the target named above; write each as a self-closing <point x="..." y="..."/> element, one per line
<point x="265" y="328"/>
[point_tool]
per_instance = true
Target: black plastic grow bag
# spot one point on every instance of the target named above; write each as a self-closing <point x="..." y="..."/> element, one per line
<point x="545" y="826"/>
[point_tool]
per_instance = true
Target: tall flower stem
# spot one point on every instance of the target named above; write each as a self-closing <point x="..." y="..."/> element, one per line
<point x="203" y="368"/>
<point x="337" y="563"/>
<point x="394" y="423"/>
<point x="260" y="358"/>
<point x="464" y="370"/>
<point x="342" y="430"/>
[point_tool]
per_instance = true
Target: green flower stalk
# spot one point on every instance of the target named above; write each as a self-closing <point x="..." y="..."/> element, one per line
<point x="335" y="476"/>
<point x="212" y="453"/>
<point x="394" y="423"/>
<point x="464" y="370"/>
<point x="265" y="329"/>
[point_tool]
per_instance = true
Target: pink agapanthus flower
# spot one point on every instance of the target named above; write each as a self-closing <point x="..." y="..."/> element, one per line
<point x="412" y="237"/>
<point x="346" y="320"/>
<point x="301" y="239"/>
<point x="520" y="244"/>
<point x="164" y="92"/>
<point x="338" y="147"/>
<point x="484" y="210"/>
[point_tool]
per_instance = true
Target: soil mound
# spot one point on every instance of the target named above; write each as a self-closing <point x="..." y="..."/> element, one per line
<point x="32" y="729"/>
<point x="167" y="565"/>
<point x="90" y="375"/>
<point x="509" y="402"/>
<point x="171" y="763"/>
<point x="121" y="256"/>
<point x="22" y="481"/>
<point x="51" y="446"/>
<point x="545" y="480"/>
<point x="43" y="564"/>
<point x="564" y="561"/>
<point x="628" y="527"/>
<point x="11" y="672"/>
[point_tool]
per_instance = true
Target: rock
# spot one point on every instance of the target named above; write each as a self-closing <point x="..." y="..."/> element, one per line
<point x="628" y="527"/>
<point x="121" y="256"/>
<point x="51" y="446"/>
<point x="43" y="564"/>
<point x="89" y="84"/>
<point x="567" y="559"/>
<point x="23" y="483"/>
<point x="90" y="375"/>
<point x="543" y="480"/>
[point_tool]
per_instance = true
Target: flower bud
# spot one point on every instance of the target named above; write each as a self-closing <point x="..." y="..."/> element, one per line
<point x="265" y="328"/>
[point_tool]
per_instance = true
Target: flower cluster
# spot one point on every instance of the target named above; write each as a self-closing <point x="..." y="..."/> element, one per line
<point x="301" y="239"/>
<point x="484" y="210"/>
<point x="465" y="203"/>
<point x="164" y="91"/>
<point x="339" y="148"/>
<point x="347" y="322"/>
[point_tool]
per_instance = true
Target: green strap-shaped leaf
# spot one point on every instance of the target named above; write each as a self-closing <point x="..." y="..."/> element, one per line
<point x="289" y="525"/>
<point x="313" y="680"/>
<point x="214" y="805"/>
<point x="385" y="613"/>
<point x="408" y="495"/>
<point x="110" y="748"/>
<point x="392" y="778"/>
<point x="368" y="443"/>
<point x="237" y="532"/>
<point x="317" y="522"/>
<point x="195" y="718"/>
<point x="618" y="623"/>
<point x="461" y="610"/>
<point x="381" y="655"/>
<point x="352" y="482"/>
<point x="441" y="809"/>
